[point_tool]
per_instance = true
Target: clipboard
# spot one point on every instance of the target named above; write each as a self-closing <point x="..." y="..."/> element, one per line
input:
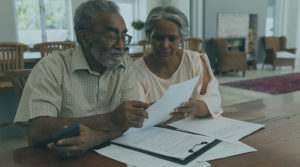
<point x="184" y="161"/>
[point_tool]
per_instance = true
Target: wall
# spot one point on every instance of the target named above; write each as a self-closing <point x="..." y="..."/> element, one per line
<point x="290" y="25"/>
<point x="8" y="23"/>
<point x="183" y="5"/>
<point x="298" y="33"/>
<point x="196" y="18"/>
<point x="287" y="22"/>
<point x="152" y="4"/>
<point x="213" y="7"/>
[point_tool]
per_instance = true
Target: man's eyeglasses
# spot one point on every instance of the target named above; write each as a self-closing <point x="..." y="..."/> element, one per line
<point x="113" y="39"/>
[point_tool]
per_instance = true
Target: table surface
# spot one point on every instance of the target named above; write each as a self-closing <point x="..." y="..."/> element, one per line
<point x="277" y="144"/>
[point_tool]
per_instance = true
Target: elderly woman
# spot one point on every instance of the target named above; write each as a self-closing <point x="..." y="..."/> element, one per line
<point x="167" y="28"/>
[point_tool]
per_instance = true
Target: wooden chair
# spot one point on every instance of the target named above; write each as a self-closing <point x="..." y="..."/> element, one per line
<point x="47" y="48"/>
<point x="146" y="46"/>
<point x="11" y="58"/>
<point x="228" y="60"/>
<point x="135" y="56"/>
<point x="272" y="46"/>
<point x="193" y="44"/>
<point x="18" y="79"/>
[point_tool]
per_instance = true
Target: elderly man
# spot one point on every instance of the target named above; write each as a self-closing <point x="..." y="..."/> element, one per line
<point x="93" y="85"/>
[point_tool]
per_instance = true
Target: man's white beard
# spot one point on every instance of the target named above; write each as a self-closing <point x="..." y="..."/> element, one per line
<point x="107" y="59"/>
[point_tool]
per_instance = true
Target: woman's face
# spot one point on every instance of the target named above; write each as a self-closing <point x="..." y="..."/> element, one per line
<point x="165" y="39"/>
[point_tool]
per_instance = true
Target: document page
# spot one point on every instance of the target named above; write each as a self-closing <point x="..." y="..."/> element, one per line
<point x="225" y="149"/>
<point x="175" y="95"/>
<point x="137" y="159"/>
<point x="165" y="142"/>
<point x="221" y="128"/>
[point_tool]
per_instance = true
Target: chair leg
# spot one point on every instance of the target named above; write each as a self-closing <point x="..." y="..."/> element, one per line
<point x="244" y="73"/>
<point x="273" y="68"/>
<point x="262" y="66"/>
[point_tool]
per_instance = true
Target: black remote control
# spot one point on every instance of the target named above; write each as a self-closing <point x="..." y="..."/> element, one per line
<point x="72" y="130"/>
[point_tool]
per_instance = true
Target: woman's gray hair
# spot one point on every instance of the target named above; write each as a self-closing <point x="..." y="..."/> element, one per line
<point x="86" y="13"/>
<point x="170" y="13"/>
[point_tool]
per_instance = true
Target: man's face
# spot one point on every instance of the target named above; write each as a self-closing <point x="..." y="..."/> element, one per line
<point x="105" y="44"/>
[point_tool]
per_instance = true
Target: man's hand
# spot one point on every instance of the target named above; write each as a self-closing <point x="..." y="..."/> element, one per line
<point x="130" y="114"/>
<point x="78" y="145"/>
<point x="193" y="108"/>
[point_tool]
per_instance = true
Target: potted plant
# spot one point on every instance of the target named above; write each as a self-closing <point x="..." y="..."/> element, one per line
<point x="138" y="25"/>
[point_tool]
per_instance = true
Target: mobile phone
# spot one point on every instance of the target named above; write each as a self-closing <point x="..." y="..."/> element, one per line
<point x="72" y="130"/>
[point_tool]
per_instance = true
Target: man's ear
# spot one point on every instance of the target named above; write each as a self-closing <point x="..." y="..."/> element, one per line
<point x="83" y="38"/>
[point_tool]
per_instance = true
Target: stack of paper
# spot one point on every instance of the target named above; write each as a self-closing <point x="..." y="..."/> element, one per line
<point x="221" y="128"/>
<point x="177" y="144"/>
<point x="165" y="142"/>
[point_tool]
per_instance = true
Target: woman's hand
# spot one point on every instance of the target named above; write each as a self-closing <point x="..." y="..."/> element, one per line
<point x="193" y="108"/>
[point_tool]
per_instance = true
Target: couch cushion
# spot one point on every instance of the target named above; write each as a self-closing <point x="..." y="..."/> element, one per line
<point x="285" y="55"/>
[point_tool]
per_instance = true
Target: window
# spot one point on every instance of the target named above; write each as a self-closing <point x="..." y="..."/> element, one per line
<point x="270" y="21"/>
<point x="131" y="11"/>
<point x="43" y="20"/>
<point x="127" y="10"/>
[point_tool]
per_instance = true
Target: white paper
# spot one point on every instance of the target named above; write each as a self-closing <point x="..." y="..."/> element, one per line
<point x="225" y="149"/>
<point x="138" y="159"/>
<point x="164" y="141"/>
<point x="221" y="128"/>
<point x="160" y="111"/>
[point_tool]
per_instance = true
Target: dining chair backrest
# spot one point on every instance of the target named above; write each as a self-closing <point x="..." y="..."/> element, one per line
<point x="18" y="79"/>
<point x="11" y="56"/>
<point x="146" y="46"/>
<point x="192" y="44"/>
<point x="47" y="48"/>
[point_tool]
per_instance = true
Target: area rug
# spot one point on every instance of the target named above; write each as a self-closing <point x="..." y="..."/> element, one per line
<point x="273" y="85"/>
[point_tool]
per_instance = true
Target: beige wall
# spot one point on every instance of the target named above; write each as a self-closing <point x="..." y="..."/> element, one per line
<point x="290" y="22"/>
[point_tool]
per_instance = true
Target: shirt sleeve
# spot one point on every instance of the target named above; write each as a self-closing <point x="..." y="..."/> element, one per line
<point x="212" y="97"/>
<point x="42" y="93"/>
<point x="140" y="88"/>
<point x="130" y="91"/>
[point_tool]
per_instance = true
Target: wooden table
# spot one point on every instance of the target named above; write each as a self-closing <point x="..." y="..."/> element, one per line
<point x="277" y="144"/>
<point x="35" y="157"/>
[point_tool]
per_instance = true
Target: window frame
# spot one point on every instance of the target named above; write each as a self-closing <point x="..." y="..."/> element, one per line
<point x="42" y="14"/>
<point x="135" y="16"/>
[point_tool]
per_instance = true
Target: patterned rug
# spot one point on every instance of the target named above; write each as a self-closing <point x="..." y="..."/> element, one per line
<point x="273" y="85"/>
